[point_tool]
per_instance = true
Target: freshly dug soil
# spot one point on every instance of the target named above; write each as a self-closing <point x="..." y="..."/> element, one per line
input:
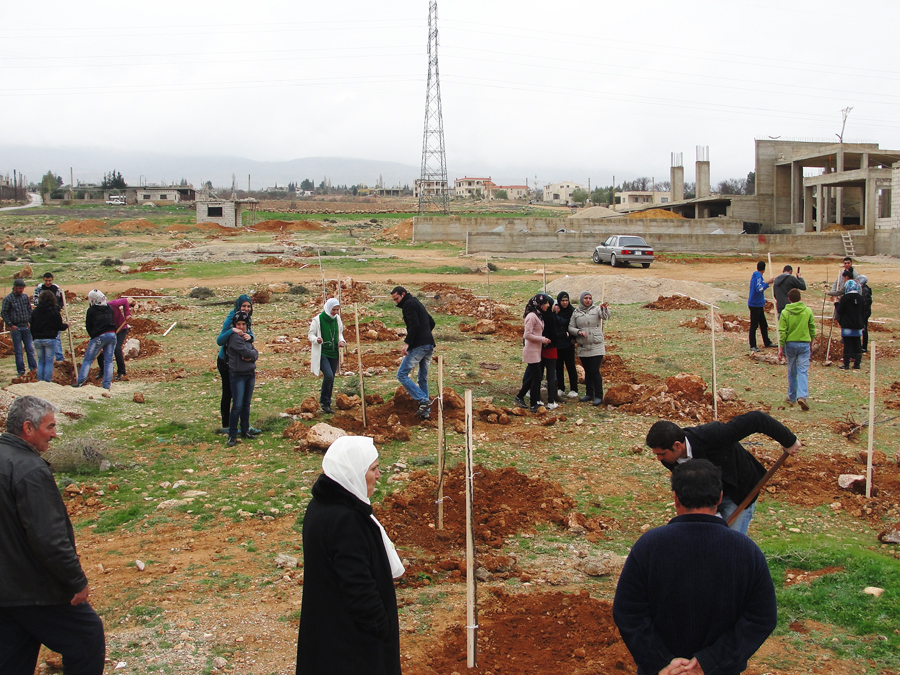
<point x="534" y="634"/>
<point x="505" y="502"/>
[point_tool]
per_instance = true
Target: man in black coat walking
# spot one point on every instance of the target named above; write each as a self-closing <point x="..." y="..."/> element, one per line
<point x="418" y="347"/>
<point x="694" y="597"/>
<point x="720" y="444"/>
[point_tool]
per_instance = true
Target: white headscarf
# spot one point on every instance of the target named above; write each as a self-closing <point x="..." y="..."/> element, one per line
<point x="330" y="304"/>
<point x="96" y="297"/>
<point x="346" y="463"/>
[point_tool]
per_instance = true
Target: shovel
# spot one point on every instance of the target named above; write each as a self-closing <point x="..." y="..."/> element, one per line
<point x="759" y="486"/>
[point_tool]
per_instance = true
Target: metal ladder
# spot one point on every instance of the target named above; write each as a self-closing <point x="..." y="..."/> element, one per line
<point x="848" y="245"/>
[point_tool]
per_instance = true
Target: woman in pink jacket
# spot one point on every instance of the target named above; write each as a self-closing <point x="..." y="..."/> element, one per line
<point x="121" y="312"/>
<point x="531" y="349"/>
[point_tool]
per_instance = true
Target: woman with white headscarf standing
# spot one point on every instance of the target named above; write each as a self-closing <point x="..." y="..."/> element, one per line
<point x="326" y="334"/>
<point x="348" y="618"/>
<point x="101" y="326"/>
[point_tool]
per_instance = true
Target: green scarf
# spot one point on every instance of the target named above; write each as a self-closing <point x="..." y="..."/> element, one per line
<point x="329" y="326"/>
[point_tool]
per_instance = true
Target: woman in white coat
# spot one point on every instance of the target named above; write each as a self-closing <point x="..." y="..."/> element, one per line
<point x="326" y="335"/>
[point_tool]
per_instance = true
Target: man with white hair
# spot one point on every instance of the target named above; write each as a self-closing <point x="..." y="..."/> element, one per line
<point x="43" y="590"/>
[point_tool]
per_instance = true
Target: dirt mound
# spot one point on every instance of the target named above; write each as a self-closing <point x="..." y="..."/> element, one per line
<point x="596" y="212"/>
<point x="655" y="214"/>
<point x="813" y="482"/>
<point x="670" y="302"/>
<point x="280" y="262"/>
<point x="402" y="230"/>
<point x="725" y="323"/>
<point x="180" y="227"/>
<point x="287" y="226"/>
<point x="456" y="301"/>
<point x="90" y="226"/>
<point x="535" y="634"/>
<point x="151" y="266"/>
<point x="680" y="398"/>
<point x="142" y="327"/>
<point x="505" y="502"/>
<point x="134" y="225"/>
<point x="138" y="293"/>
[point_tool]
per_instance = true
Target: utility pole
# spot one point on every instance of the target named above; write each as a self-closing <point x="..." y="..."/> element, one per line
<point x="433" y="186"/>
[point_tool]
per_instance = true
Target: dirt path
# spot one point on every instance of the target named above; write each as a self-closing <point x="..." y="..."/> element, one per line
<point x="878" y="269"/>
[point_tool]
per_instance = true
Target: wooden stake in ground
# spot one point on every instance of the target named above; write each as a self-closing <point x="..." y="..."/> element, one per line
<point x="71" y="347"/>
<point x="715" y="389"/>
<point x="441" y="448"/>
<point x="602" y="300"/>
<point x="545" y="278"/>
<point x="871" y="423"/>
<point x="322" y="272"/>
<point x="828" y="349"/>
<point x="362" y="384"/>
<point x="774" y="305"/>
<point x="487" y="267"/>
<point x="759" y="486"/>
<point x="471" y="605"/>
<point x="340" y="353"/>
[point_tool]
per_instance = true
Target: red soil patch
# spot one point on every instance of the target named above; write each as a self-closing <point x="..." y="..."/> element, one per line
<point x="534" y="634"/>
<point x="91" y="226"/>
<point x="813" y="482"/>
<point x="287" y="226"/>
<point x="449" y="299"/>
<point x="138" y="293"/>
<point x="654" y="214"/>
<point x="134" y="225"/>
<point x="505" y="502"/>
<point x="179" y="227"/>
<point x="402" y="230"/>
<point x="151" y="265"/>
<point x="795" y="576"/>
<point x="670" y="302"/>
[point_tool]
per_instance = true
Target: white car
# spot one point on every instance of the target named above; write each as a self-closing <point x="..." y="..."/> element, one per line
<point x="624" y="248"/>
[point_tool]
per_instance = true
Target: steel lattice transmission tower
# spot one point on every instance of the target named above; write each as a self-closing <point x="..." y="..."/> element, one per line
<point x="433" y="188"/>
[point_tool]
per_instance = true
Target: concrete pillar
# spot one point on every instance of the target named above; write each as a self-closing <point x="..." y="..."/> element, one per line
<point x="820" y="207"/>
<point x="827" y="214"/>
<point x="808" y="209"/>
<point x="839" y="192"/>
<point x="870" y="203"/>
<point x="702" y="175"/>
<point x="796" y="192"/>
<point x="676" y="178"/>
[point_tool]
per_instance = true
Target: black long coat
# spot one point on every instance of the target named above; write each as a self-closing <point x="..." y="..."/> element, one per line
<point x="348" y="619"/>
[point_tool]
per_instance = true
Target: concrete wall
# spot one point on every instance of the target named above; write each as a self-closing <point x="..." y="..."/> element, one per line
<point x="429" y="228"/>
<point x="228" y="218"/>
<point x="781" y="244"/>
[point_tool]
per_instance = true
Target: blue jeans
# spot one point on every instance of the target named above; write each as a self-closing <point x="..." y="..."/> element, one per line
<point x="422" y="357"/>
<point x="328" y="367"/>
<point x="44" y="349"/>
<point x="105" y="342"/>
<point x="58" y="351"/>
<point x="20" y="337"/>
<point x="797" y="354"/>
<point x="242" y="385"/>
<point x="742" y="522"/>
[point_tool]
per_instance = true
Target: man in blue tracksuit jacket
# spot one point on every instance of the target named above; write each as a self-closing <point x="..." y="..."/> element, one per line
<point x="757" y="303"/>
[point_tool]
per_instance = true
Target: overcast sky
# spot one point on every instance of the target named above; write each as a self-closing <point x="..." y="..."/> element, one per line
<point x="556" y="89"/>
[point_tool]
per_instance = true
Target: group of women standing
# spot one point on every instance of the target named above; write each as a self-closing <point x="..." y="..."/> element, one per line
<point x="550" y="341"/>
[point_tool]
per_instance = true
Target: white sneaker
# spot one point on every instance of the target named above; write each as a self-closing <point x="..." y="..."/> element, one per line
<point x="560" y="392"/>
<point x="573" y="394"/>
<point x="540" y="403"/>
<point x="552" y="406"/>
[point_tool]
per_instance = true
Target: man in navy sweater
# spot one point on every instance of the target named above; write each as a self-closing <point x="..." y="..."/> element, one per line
<point x="694" y="596"/>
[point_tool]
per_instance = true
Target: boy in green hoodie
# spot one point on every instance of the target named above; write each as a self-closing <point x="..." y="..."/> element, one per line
<point x="797" y="329"/>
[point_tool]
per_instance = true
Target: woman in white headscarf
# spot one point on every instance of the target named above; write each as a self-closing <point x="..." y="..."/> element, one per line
<point x="101" y="326"/>
<point x="348" y="617"/>
<point x="326" y="335"/>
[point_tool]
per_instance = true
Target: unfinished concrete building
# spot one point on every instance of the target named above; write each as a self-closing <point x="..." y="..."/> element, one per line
<point x="224" y="212"/>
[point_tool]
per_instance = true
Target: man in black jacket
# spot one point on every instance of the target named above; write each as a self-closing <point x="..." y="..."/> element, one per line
<point x="720" y="444"/>
<point x="783" y="284"/>
<point x="43" y="590"/>
<point x="417" y="347"/>
<point x="694" y="597"/>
